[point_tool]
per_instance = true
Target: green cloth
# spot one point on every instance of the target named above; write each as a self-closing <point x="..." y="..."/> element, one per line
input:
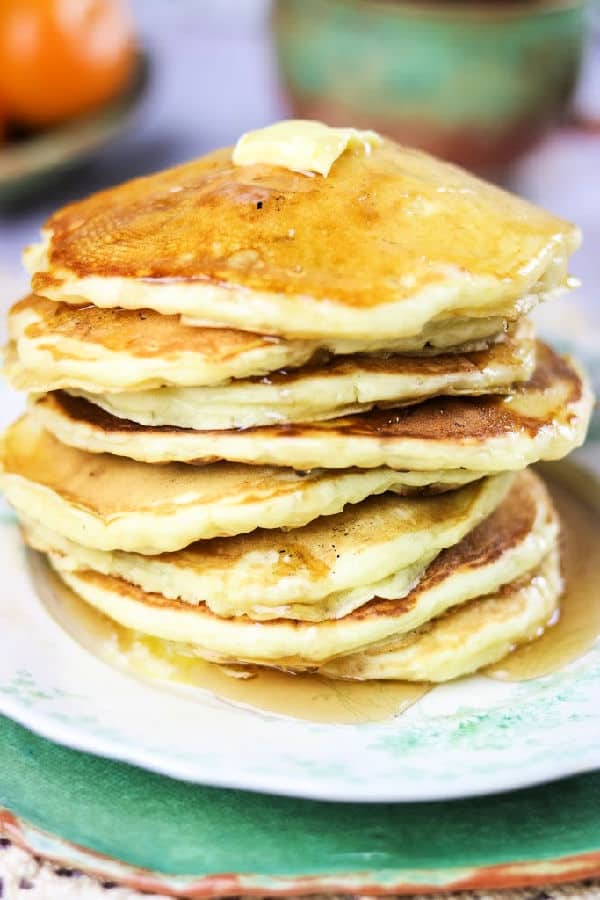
<point x="155" y="822"/>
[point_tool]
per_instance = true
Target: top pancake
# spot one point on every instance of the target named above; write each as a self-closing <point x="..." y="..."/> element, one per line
<point x="388" y="245"/>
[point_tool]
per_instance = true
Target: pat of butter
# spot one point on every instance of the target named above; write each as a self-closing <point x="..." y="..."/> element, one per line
<point x="300" y="145"/>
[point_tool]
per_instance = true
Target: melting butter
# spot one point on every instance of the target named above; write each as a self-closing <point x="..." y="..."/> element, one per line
<point x="301" y="145"/>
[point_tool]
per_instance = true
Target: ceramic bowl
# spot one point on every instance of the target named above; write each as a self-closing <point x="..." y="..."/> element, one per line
<point x="477" y="83"/>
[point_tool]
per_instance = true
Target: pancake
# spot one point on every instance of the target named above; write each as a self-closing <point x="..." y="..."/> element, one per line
<point x="110" y="502"/>
<point x="545" y="418"/>
<point x="476" y="567"/>
<point x="174" y="577"/>
<point x="459" y="643"/>
<point x="57" y="345"/>
<point x="342" y="387"/>
<point x="268" y="570"/>
<point x="525" y="530"/>
<point x="466" y="639"/>
<point x="391" y="245"/>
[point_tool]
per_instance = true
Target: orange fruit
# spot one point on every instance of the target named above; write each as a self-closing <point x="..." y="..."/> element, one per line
<point x="59" y="58"/>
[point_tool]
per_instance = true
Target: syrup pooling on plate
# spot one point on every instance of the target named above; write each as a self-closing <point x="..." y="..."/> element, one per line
<point x="319" y="699"/>
<point x="578" y="625"/>
<point x="308" y="697"/>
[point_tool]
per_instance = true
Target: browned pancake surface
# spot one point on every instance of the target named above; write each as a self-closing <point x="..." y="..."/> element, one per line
<point x="441" y="419"/>
<point x="496" y="535"/>
<point x="380" y="228"/>
<point x="143" y="333"/>
<point x="110" y="486"/>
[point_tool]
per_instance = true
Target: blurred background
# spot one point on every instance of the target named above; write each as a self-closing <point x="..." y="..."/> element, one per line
<point x="93" y="92"/>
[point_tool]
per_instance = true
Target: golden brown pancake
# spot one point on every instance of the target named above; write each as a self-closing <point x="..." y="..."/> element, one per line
<point x="489" y="557"/>
<point x="54" y="345"/>
<point x="345" y="385"/>
<point x="387" y="246"/>
<point x="111" y="502"/>
<point x="468" y="638"/>
<point x="545" y="418"/>
<point x="465" y="639"/>
<point x="62" y="345"/>
<point x="59" y="345"/>
<point x="523" y="528"/>
<point x="334" y="563"/>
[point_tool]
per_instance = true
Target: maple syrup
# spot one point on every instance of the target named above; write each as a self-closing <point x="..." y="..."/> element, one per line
<point x="578" y="624"/>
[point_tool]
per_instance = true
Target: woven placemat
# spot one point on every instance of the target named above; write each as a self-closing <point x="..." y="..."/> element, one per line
<point x="26" y="877"/>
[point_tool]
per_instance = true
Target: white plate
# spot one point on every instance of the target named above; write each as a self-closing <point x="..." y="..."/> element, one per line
<point x="475" y="736"/>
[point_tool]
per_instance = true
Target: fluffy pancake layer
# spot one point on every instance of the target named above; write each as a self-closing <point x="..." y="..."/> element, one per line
<point x="343" y="386"/>
<point x="468" y="638"/>
<point x="329" y="567"/>
<point x="177" y="578"/>
<point x="390" y="245"/>
<point x="56" y="345"/>
<point x="110" y="502"/>
<point x="545" y="418"/>
<point x="365" y="543"/>
<point x="511" y="543"/>
<point x="524" y="523"/>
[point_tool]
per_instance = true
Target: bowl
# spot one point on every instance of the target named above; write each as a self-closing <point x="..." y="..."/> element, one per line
<point x="477" y="83"/>
<point x="35" y="159"/>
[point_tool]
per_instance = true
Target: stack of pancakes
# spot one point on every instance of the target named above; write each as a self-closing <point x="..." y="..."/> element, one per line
<point x="279" y="418"/>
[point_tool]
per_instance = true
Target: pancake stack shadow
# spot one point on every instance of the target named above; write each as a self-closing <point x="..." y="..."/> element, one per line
<point x="284" y="419"/>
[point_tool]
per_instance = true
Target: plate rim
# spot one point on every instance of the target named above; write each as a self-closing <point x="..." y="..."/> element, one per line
<point x="280" y="786"/>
